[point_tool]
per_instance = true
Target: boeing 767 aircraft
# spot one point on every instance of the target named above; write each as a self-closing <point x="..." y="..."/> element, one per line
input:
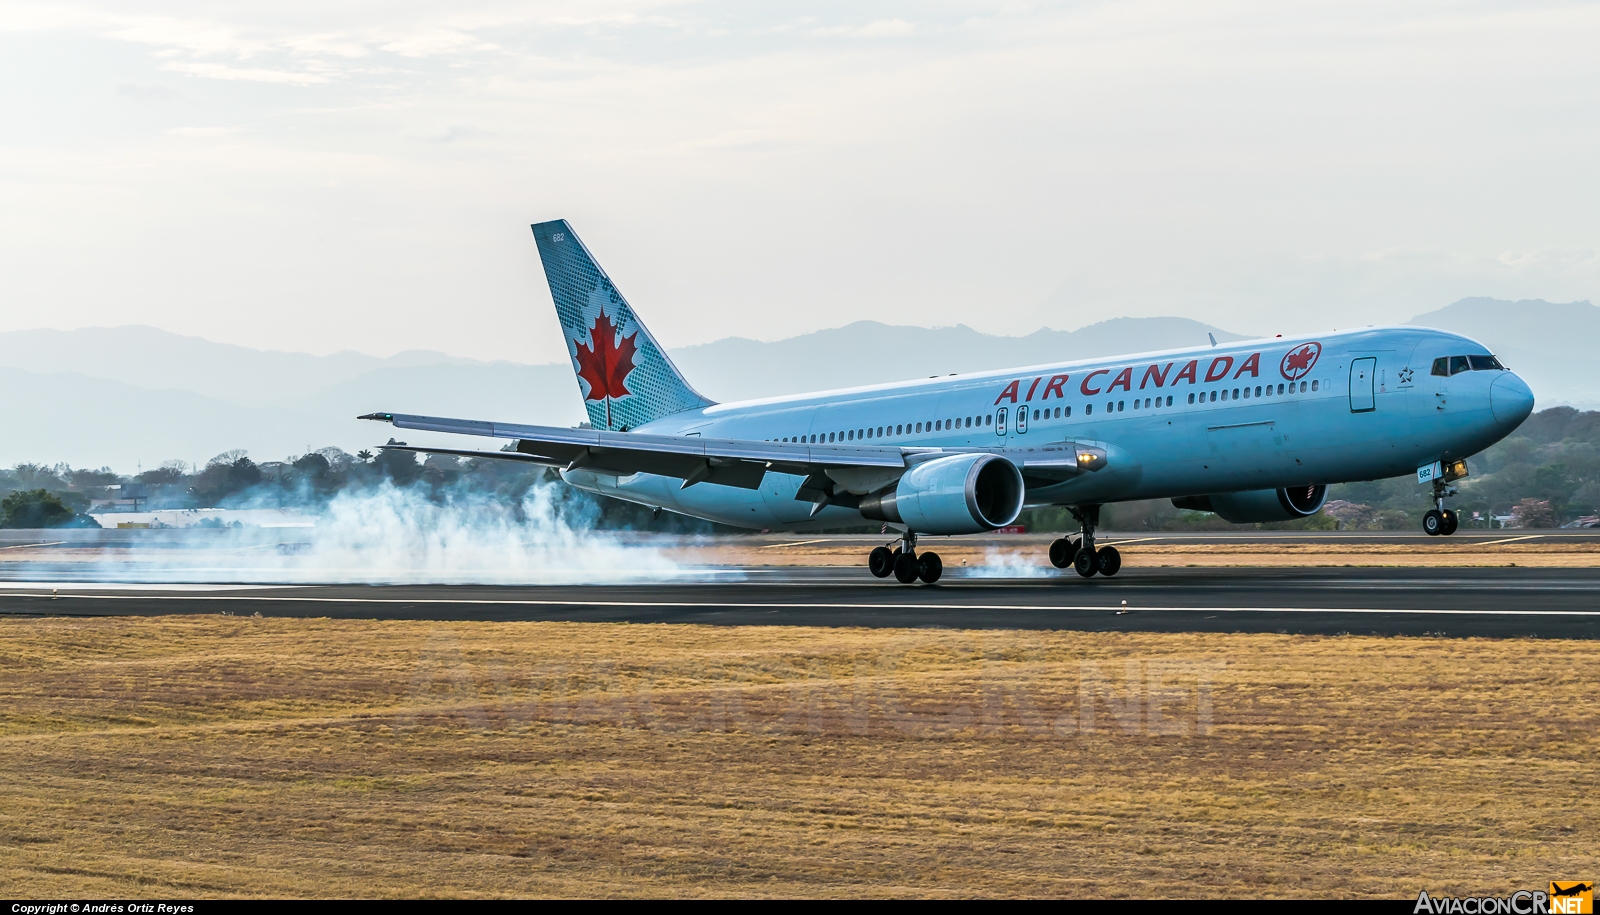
<point x="1254" y="431"/>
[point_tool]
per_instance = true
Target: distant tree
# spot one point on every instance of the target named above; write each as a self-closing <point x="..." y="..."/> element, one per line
<point x="224" y="478"/>
<point x="33" y="508"/>
<point x="37" y="476"/>
<point x="167" y="474"/>
<point x="1352" y="516"/>
<point x="1533" y="513"/>
<point x="1587" y="498"/>
<point x="243" y="474"/>
<point x="399" y="466"/>
<point x="89" y="479"/>
<point x="314" y="465"/>
<point x="364" y="455"/>
<point x="338" y="458"/>
<point x="1394" y="520"/>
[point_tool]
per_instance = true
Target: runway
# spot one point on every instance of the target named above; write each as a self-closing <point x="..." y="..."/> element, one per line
<point x="1453" y="602"/>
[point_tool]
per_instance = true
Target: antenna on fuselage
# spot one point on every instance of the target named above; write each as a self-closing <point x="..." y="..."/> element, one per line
<point x="1213" y="338"/>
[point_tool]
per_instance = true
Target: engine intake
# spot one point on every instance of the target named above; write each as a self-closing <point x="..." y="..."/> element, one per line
<point x="1259" y="505"/>
<point x="959" y="494"/>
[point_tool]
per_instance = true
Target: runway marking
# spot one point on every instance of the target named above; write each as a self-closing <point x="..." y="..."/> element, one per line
<point x="794" y="543"/>
<point x="818" y="606"/>
<point x="1507" y="540"/>
<point x="1139" y="540"/>
<point x="23" y="546"/>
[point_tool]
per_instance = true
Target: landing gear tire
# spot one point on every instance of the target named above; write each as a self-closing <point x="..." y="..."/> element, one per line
<point x="1451" y="522"/>
<point x="1108" y="560"/>
<point x="905" y="567"/>
<point x="1062" y="552"/>
<point x="881" y="562"/>
<point x="1433" y="522"/>
<point x="1085" y="564"/>
<point x="929" y="567"/>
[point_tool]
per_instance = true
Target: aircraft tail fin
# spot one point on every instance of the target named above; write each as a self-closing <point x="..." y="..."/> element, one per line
<point x="625" y="377"/>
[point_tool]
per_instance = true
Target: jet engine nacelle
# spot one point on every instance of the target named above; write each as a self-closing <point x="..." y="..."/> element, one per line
<point x="1259" y="504"/>
<point x="959" y="494"/>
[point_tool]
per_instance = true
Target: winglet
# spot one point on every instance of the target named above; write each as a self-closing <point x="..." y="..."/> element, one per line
<point x="380" y="417"/>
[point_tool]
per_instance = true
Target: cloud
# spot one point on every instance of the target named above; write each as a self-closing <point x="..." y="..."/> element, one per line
<point x="937" y="164"/>
<point x="246" y="74"/>
<point x="882" y="28"/>
<point x="148" y="92"/>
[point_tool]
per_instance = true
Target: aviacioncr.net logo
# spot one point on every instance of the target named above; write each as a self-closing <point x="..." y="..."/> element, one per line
<point x="1566" y="897"/>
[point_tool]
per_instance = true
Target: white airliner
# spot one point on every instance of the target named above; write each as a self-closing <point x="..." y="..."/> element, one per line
<point x="1254" y="431"/>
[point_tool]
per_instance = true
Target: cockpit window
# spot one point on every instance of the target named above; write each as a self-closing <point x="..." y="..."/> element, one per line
<point x="1485" y="363"/>
<point x="1459" y="364"/>
<point x="1441" y="366"/>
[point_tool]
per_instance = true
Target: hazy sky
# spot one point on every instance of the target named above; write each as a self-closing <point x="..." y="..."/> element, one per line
<point x="323" y="176"/>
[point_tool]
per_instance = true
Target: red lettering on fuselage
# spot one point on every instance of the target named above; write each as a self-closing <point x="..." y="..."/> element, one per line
<point x="1032" y="388"/>
<point x="1188" y="372"/>
<point x="1010" y="391"/>
<point x="1253" y="364"/>
<point x="1056" y="381"/>
<point x="1124" y="378"/>
<point x="1084" y="386"/>
<point x="1212" y="374"/>
<point x="1160" y="377"/>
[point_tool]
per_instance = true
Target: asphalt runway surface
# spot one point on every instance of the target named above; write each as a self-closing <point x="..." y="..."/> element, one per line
<point x="1459" y="602"/>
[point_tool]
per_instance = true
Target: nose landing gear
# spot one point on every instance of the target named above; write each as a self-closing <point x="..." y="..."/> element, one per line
<point x="904" y="563"/>
<point x="1440" y="521"/>
<point x="1079" y="551"/>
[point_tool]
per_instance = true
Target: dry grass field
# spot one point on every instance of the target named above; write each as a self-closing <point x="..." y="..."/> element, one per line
<point x="209" y="756"/>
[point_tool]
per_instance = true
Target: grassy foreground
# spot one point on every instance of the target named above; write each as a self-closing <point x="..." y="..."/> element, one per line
<point x="203" y="756"/>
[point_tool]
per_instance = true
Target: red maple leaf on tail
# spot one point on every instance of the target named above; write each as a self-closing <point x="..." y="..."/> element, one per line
<point x="605" y="364"/>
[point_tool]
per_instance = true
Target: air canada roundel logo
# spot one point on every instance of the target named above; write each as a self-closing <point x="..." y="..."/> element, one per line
<point x="1297" y="362"/>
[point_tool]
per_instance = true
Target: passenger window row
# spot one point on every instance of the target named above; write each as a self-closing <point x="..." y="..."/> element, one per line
<point x="1247" y="393"/>
<point x="1454" y="365"/>
<point x="1112" y="406"/>
<point x="851" y="435"/>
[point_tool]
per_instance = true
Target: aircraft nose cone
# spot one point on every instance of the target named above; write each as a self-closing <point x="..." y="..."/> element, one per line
<point x="1511" y="399"/>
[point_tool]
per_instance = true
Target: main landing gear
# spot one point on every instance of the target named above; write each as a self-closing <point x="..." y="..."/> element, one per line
<point x="1440" y="521"/>
<point x="904" y="563"/>
<point x="1079" y="551"/>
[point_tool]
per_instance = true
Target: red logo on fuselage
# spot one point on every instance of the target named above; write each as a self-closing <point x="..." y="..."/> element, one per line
<point x="1297" y="362"/>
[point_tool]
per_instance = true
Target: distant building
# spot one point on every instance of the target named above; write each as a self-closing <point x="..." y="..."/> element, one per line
<point x="205" y="517"/>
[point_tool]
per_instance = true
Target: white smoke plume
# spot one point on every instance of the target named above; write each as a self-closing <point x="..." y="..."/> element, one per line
<point x="1008" y="564"/>
<point x="389" y="535"/>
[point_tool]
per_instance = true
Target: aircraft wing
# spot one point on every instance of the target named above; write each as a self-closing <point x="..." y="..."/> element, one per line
<point x="690" y="458"/>
<point x="731" y="462"/>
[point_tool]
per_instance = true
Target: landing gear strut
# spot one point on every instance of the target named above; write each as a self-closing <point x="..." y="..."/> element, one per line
<point x="1440" y="521"/>
<point x="904" y="563"/>
<point x="1079" y="551"/>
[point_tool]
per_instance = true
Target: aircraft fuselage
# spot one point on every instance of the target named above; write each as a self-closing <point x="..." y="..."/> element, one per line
<point x="1252" y="415"/>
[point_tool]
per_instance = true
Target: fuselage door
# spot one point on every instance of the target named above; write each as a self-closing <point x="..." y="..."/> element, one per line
<point x="1022" y="420"/>
<point x="1363" y="374"/>
<point x="1000" y="421"/>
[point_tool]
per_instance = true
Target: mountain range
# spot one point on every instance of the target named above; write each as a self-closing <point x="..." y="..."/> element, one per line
<point x="136" y="396"/>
